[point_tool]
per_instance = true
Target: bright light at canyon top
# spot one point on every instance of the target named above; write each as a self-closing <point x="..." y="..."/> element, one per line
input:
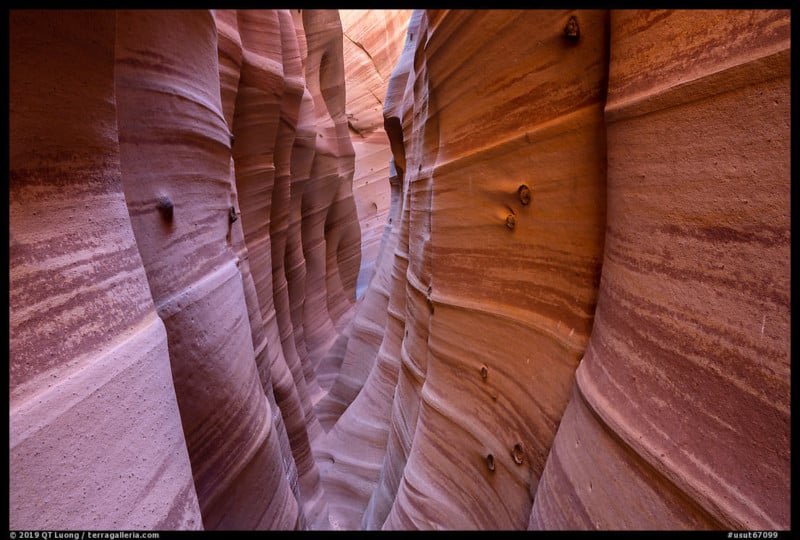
<point x="372" y="43"/>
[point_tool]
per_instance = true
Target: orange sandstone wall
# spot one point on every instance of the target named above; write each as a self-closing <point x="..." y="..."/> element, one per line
<point x="589" y="304"/>
<point x="505" y="192"/>
<point x="373" y="41"/>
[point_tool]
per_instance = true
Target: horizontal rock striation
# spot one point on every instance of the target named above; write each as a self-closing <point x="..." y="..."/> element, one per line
<point x="527" y="270"/>
<point x="373" y="41"/>
<point x="368" y="62"/>
<point x="176" y="146"/>
<point x="587" y="323"/>
<point x="169" y="246"/>
<point x="495" y="322"/>
<point x="680" y="415"/>
<point x="95" y="437"/>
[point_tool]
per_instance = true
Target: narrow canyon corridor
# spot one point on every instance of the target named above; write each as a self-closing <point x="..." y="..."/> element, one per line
<point x="399" y="270"/>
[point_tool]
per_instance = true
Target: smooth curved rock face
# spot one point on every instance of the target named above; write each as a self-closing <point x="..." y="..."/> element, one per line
<point x="469" y="288"/>
<point x="370" y="367"/>
<point x="144" y="150"/>
<point x="331" y="235"/>
<point x="349" y="477"/>
<point x="311" y="488"/>
<point x="184" y="252"/>
<point x="175" y="145"/>
<point x="379" y="40"/>
<point x="262" y="154"/>
<point x="373" y="41"/>
<point x="230" y="65"/>
<point x="680" y="417"/>
<point x="505" y="241"/>
<point x="95" y="438"/>
<point x="662" y="409"/>
<point x="372" y="196"/>
<point x="301" y="160"/>
<point x="257" y="118"/>
<point x="404" y="411"/>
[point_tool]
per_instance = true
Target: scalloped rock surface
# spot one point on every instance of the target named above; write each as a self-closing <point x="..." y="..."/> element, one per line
<point x="440" y="269"/>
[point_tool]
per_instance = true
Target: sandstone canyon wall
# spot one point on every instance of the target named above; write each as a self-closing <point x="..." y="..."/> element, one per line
<point x="495" y="270"/>
<point x="164" y="263"/>
<point x="680" y="416"/>
<point x="373" y="41"/>
<point x="95" y="436"/>
<point x="538" y="196"/>
<point x="568" y="232"/>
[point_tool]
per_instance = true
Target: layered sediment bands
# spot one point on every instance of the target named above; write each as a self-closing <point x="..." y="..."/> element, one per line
<point x="372" y="196"/>
<point x="311" y="488"/>
<point x="266" y="111"/>
<point x="350" y="477"/>
<point x="411" y="377"/>
<point x="301" y="159"/>
<point x="188" y="242"/>
<point x="92" y="412"/>
<point x="373" y="156"/>
<point x="366" y="331"/>
<point x="577" y="316"/>
<point x="371" y="362"/>
<point x="175" y="158"/>
<point x="230" y="62"/>
<point x="271" y="87"/>
<point x="330" y="246"/>
<point x="680" y="414"/>
<point x="505" y="239"/>
<point x="373" y="41"/>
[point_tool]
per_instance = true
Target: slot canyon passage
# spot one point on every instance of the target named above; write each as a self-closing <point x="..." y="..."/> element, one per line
<point x="394" y="269"/>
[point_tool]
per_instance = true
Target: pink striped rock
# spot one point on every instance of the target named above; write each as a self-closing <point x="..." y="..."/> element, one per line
<point x="95" y="438"/>
<point x="175" y="155"/>
<point x="680" y="418"/>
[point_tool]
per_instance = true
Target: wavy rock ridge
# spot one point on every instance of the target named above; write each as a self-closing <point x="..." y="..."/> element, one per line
<point x="589" y="300"/>
<point x="373" y="42"/>
<point x="184" y="253"/>
<point x="573" y="292"/>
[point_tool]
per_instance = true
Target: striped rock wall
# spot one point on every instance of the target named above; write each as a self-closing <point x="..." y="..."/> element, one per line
<point x="680" y="415"/>
<point x="156" y="377"/>
<point x="373" y="41"/>
<point x="577" y="314"/>
<point x="504" y="216"/>
<point x="588" y="315"/>
<point x="95" y="437"/>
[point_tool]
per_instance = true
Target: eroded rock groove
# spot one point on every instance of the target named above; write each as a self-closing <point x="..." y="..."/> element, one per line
<point x="440" y="269"/>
